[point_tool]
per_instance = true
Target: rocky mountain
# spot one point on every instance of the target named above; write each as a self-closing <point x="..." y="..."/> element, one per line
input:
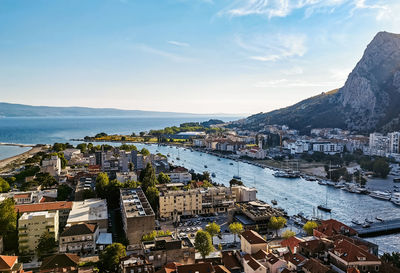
<point x="369" y="100"/>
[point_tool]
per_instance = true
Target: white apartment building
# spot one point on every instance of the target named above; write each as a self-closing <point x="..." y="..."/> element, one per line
<point x="327" y="147"/>
<point x="31" y="227"/>
<point x="89" y="211"/>
<point x="180" y="176"/>
<point x="51" y="166"/>
<point x="394" y="142"/>
<point x="244" y="194"/>
<point x="378" y="144"/>
<point x="299" y="147"/>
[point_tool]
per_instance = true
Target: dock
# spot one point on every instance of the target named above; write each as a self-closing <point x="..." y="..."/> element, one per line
<point x="379" y="228"/>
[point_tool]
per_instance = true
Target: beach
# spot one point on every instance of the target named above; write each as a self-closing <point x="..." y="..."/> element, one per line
<point x="9" y="163"/>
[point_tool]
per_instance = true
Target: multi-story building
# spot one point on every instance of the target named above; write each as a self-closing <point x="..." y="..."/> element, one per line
<point x="217" y="200"/>
<point x="173" y="204"/>
<point x="327" y="147"/>
<point x="51" y="165"/>
<point x="126" y="176"/>
<point x="244" y="194"/>
<point x="251" y="242"/>
<point x="89" y="211"/>
<point x="79" y="239"/>
<point x="180" y="175"/>
<point x="138" y="217"/>
<point x="394" y="142"/>
<point x="62" y="208"/>
<point x="64" y="262"/>
<point x="136" y="264"/>
<point x="378" y="144"/>
<point x="31" y="227"/>
<point x="168" y="249"/>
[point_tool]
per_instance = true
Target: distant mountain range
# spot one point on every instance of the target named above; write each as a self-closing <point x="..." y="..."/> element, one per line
<point x="369" y="100"/>
<point x="21" y="110"/>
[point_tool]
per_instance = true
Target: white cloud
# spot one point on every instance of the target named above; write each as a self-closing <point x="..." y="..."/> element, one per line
<point x="295" y="70"/>
<point x="273" y="47"/>
<point x="164" y="54"/>
<point x="176" y="43"/>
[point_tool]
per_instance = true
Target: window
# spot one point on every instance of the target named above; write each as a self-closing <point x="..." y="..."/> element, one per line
<point x="377" y="268"/>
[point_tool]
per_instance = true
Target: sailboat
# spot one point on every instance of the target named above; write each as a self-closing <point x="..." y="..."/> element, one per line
<point x="237" y="177"/>
<point x="324" y="207"/>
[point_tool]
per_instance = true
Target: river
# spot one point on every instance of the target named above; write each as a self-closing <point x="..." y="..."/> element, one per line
<point x="294" y="195"/>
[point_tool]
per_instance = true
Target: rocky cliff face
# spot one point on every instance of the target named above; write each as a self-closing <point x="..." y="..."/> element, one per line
<point x="369" y="100"/>
<point x="372" y="84"/>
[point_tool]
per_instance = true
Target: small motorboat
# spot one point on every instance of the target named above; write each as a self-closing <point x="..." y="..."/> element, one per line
<point x="213" y="175"/>
<point x="274" y="202"/>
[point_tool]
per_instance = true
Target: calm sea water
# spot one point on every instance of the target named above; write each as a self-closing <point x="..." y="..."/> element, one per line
<point x="9" y="151"/>
<point x="293" y="195"/>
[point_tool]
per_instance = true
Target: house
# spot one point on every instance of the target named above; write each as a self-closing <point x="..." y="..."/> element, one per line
<point x="136" y="264"/>
<point x="292" y="243"/>
<point x="294" y="261"/>
<point x="270" y="261"/>
<point x="333" y="227"/>
<point x="10" y="264"/>
<point x="345" y="255"/>
<point x="244" y="194"/>
<point x="167" y="249"/>
<point x="251" y="265"/>
<point x="23" y="198"/>
<point x="251" y="242"/>
<point x="79" y="239"/>
<point x="65" y="262"/>
<point x="314" y="248"/>
<point x="315" y="266"/>
<point x="169" y="268"/>
<point x="32" y="225"/>
<point x="231" y="261"/>
<point x="195" y="268"/>
<point x="179" y="175"/>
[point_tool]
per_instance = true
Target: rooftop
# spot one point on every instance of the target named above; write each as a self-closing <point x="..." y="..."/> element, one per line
<point x="135" y="203"/>
<point x="47" y="206"/>
<point x="80" y="229"/>
<point x="253" y="237"/>
<point x="258" y="210"/>
<point x="88" y="210"/>
<point x="30" y="215"/>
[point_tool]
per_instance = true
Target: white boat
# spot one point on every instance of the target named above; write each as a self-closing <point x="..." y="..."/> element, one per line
<point x="323" y="182"/>
<point x="395" y="198"/>
<point x="380" y="195"/>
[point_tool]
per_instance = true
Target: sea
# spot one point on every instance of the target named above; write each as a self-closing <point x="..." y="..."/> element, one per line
<point x="294" y="195"/>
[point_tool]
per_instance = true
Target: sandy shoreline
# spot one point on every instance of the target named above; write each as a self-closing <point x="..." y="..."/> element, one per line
<point x="6" y="164"/>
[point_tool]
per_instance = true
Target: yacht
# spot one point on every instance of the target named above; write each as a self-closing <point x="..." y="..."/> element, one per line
<point x="356" y="222"/>
<point x="395" y="198"/>
<point x="380" y="195"/>
<point x="274" y="202"/>
<point x="323" y="182"/>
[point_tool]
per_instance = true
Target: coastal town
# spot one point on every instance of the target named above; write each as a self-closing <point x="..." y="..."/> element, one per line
<point x="104" y="205"/>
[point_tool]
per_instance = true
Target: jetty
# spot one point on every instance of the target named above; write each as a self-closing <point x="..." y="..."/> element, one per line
<point x="379" y="228"/>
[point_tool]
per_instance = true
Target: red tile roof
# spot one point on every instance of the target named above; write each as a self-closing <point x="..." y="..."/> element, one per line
<point x="22" y="195"/>
<point x="253" y="237"/>
<point x="313" y="246"/>
<point x="43" y="206"/>
<point x="200" y="268"/>
<point x="332" y="227"/>
<point x="291" y="243"/>
<point x="352" y="253"/>
<point x="7" y="262"/>
<point x="295" y="259"/>
<point x="353" y="270"/>
<point x="260" y="255"/>
<point x="230" y="261"/>
<point x="169" y="268"/>
<point x="221" y="269"/>
<point x="252" y="262"/>
<point x="315" y="266"/>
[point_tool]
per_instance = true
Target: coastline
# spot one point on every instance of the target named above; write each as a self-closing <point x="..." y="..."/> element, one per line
<point x="8" y="163"/>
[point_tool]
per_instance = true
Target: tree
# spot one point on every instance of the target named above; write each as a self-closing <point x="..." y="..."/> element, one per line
<point x="276" y="223"/>
<point x="144" y="152"/>
<point x="152" y="195"/>
<point x="310" y="226"/>
<point x="288" y="233"/>
<point x="163" y="178"/>
<point x="380" y="167"/>
<point x="213" y="228"/>
<point x="4" y="186"/>
<point x="206" y="176"/>
<point x="88" y="193"/>
<point x="63" y="192"/>
<point x="207" y="184"/>
<point x="47" y="244"/>
<point x="102" y="182"/>
<point x="46" y="180"/>
<point x="203" y="243"/>
<point x="83" y="147"/>
<point x="234" y="182"/>
<point x="148" y="177"/>
<point x="236" y="228"/>
<point x="393" y="259"/>
<point x="110" y="257"/>
<point x="8" y="216"/>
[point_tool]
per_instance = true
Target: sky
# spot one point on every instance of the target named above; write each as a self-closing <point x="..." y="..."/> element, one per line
<point x="197" y="56"/>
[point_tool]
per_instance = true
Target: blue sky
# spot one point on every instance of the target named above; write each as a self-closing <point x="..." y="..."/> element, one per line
<point x="199" y="56"/>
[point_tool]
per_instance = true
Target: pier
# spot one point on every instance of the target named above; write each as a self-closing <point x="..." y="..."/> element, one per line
<point x="379" y="228"/>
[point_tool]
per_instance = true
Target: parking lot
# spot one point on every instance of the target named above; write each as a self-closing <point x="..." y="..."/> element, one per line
<point x="189" y="226"/>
